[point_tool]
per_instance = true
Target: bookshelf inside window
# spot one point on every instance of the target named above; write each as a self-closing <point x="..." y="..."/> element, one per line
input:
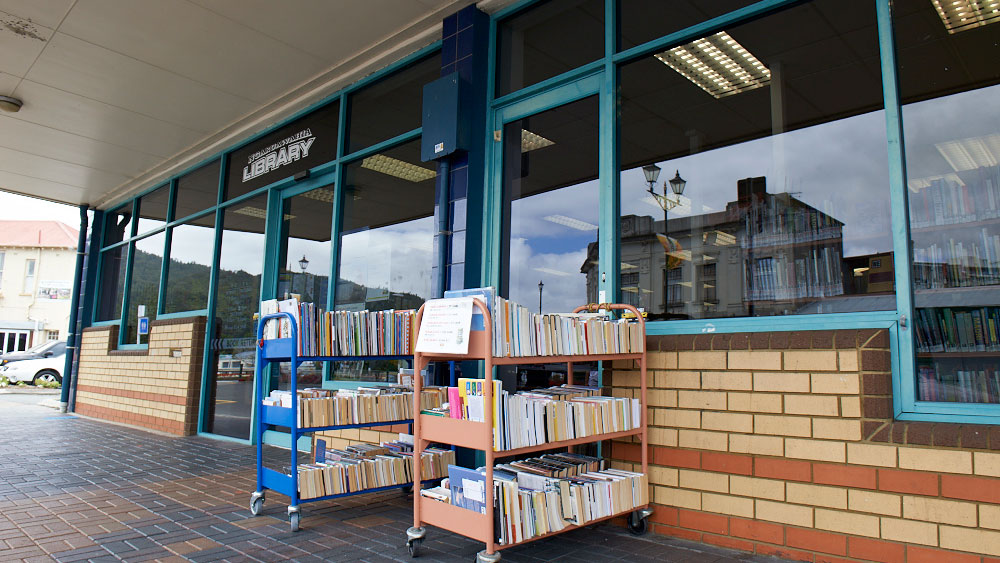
<point x="486" y="526"/>
<point x="955" y="227"/>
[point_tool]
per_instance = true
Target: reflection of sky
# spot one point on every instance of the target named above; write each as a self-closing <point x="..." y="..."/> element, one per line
<point x="315" y="251"/>
<point x="192" y="243"/>
<point x="838" y="167"/>
<point x="242" y="251"/>
<point x="395" y="257"/>
<point x="548" y="250"/>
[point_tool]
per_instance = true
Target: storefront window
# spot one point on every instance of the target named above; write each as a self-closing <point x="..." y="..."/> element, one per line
<point x="301" y="145"/>
<point x="386" y="241"/>
<point x="153" y="209"/>
<point x="144" y="285"/>
<point x="950" y="87"/>
<point x="551" y="201"/>
<point x="197" y="191"/>
<point x="767" y="143"/>
<point x="112" y="288"/>
<point x="548" y="39"/>
<point x="305" y="269"/>
<point x="117" y="225"/>
<point x="237" y="298"/>
<point x="644" y="20"/>
<point x="190" y="265"/>
<point x="390" y="106"/>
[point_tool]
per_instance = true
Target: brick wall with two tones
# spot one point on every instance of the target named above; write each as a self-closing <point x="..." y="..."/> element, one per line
<point x="783" y="444"/>
<point x="155" y="388"/>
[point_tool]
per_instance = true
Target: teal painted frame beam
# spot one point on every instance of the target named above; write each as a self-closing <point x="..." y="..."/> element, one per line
<point x="165" y="262"/>
<point x="336" y="223"/>
<point x="213" y="285"/>
<point x="609" y="250"/>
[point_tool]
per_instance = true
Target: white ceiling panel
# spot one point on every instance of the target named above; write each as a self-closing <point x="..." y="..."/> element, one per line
<point x="322" y="28"/>
<point x="38" y="139"/>
<point x="45" y="168"/>
<point x="41" y="12"/>
<point x="188" y="40"/>
<point x="95" y="72"/>
<point x="7" y="84"/>
<point x="20" y="43"/>
<point x="45" y="189"/>
<point x="89" y="118"/>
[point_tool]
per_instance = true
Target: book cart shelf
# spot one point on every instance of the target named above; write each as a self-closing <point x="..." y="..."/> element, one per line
<point x="285" y="350"/>
<point x="479" y="436"/>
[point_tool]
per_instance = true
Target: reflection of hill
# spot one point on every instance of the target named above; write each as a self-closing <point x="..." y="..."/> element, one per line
<point x="374" y="299"/>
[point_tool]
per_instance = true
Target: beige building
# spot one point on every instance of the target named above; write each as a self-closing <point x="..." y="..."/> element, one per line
<point x="36" y="281"/>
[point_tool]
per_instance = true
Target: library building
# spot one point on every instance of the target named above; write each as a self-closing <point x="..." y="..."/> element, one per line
<point x="721" y="271"/>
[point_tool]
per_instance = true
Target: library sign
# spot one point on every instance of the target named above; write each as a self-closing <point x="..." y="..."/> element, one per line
<point x="303" y="144"/>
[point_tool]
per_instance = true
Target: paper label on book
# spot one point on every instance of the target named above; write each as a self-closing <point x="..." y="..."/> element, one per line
<point x="473" y="490"/>
<point x="444" y="328"/>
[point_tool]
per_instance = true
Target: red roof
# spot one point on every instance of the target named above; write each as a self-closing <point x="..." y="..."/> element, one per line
<point x="50" y="234"/>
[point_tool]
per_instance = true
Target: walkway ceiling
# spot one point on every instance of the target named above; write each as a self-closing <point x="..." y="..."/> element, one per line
<point x="120" y="94"/>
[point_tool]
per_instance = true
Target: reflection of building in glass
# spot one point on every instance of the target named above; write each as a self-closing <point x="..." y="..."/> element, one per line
<point x="766" y="254"/>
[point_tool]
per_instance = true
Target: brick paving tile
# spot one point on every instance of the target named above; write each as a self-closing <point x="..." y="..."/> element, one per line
<point x="115" y="493"/>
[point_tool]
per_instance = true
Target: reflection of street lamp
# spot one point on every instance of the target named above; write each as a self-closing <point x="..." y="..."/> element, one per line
<point x="677" y="184"/>
<point x="540" y="286"/>
<point x="303" y="263"/>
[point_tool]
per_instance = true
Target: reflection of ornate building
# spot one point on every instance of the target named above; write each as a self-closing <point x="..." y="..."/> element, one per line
<point x="765" y="254"/>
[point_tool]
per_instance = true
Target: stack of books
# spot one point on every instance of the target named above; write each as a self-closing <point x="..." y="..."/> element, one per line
<point x="958" y="329"/>
<point x="364" y="405"/>
<point x="367" y="466"/>
<point x="532" y="418"/>
<point x="517" y="332"/>
<point x="342" y="333"/>
<point x="975" y="382"/>
<point x="546" y="494"/>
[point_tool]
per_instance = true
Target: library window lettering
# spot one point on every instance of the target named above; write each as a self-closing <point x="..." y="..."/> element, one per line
<point x="767" y="193"/>
<point x="950" y="90"/>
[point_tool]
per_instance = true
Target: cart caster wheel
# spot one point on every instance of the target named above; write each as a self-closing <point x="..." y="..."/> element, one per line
<point x="407" y="490"/>
<point x="483" y="557"/>
<point x="293" y="520"/>
<point x="637" y="526"/>
<point x="256" y="503"/>
<point x="413" y="546"/>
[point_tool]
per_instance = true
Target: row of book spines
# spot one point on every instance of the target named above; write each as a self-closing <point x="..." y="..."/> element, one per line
<point x="354" y="475"/>
<point x="946" y="330"/>
<point x="521" y="333"/>
<point x="968" y="386"/>
<point x="367" y="333"/>
<point x="363" y="409"/>
<point x="525" y="513"/>
<point x="945" y="202"/>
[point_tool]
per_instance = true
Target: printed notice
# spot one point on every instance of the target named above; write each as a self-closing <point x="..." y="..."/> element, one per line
<point x="444" y="328"/>
<point x="474" y="490"/>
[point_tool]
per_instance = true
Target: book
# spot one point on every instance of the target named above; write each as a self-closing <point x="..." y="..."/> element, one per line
<point x="468" y="488"/>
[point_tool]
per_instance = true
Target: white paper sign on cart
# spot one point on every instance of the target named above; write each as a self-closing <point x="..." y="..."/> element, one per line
<point x="445" y="326"/>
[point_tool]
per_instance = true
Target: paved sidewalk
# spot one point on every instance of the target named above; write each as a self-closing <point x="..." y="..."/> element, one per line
<point x="73" y="489"/>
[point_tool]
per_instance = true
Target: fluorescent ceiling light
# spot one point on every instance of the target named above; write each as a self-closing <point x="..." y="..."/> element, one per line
<point x="321" y="194"/>
<point x="553" y="272"/>
<point x="570" y="222"/>
<point x="971" y="153"/>
<point x="533" y="141"/>
<point x="631" y="289"/>
<point x="627" y="266"/>
<point x="960" y="15"/>
<point x="398" y="168"/>
<point x="917" y="184"/>
<point x="257" y="212"/>
<point x="718" y="65"/>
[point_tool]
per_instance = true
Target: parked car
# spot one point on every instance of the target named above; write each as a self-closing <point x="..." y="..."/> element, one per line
<point x="46" y="366"/>
<point x="49" y="349"/>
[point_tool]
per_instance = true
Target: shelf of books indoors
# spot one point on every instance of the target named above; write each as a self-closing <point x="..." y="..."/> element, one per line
<point x="510" y="503"/>
<point x="291" y="333"/>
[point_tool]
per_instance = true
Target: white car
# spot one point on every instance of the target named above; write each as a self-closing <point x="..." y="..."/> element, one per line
<point x="34" y="371"/>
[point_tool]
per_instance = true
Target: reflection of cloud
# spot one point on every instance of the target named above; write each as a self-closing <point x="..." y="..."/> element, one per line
<point x="402" y="255"/>
<point x="561" y="293"/>
<point x="242" y="251"/>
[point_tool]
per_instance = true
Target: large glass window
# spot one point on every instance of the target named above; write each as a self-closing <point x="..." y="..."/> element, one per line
<point x="117" y="225"/>
<point x="197" y="190"/>
<point x="112" y="287"/>
<point x="551" y="202"/>
<point x="390" y="106"/>
<point x="548" y="39"/>
<point x="950" y="85"/>
<point x="190" y="265"/>
<point x="767" y="150"/>
<point x="237" y="298"/>
<point x="144" y="285"/>
<point x="153" y="209"/>
<point x="644" y="20"/>
<point x="305" y="267"/>
<point x="29" y="277"/>
<point x="386" y="241"/>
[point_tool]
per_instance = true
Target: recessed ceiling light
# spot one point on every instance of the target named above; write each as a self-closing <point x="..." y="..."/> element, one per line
<point x="10" y="104"/>
<point x="533" y="141"/>
<point x="718" y="65"/>
<point x="571" y="222"/>
<point x="971" y="153"/>
<point x="398" y="168"/>
<point x="960" y="15"/>
<point x="320" y="194"/>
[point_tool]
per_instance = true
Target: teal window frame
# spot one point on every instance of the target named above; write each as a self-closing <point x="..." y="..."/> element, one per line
<point x="563" y="88"/>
